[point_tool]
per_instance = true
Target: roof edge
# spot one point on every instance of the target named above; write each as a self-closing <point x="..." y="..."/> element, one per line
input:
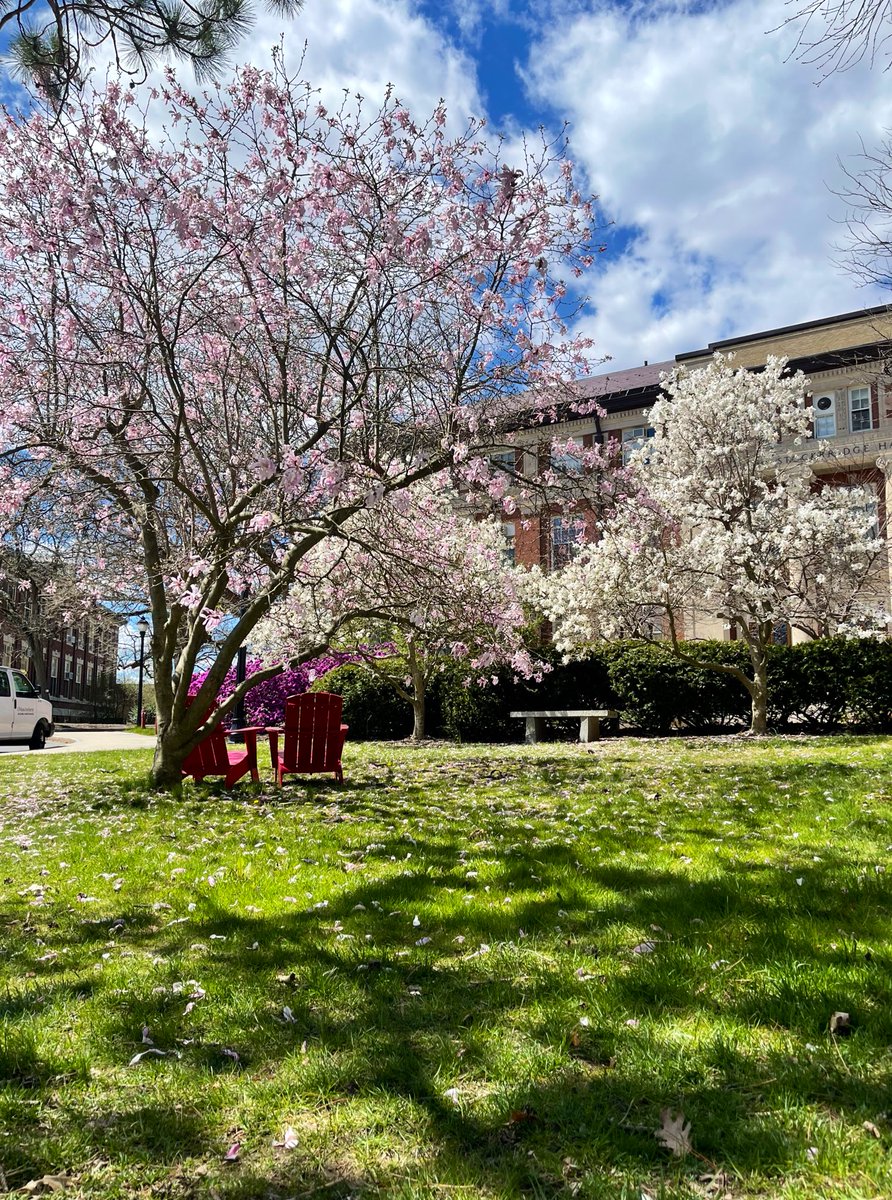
<point x="818" y="323"/>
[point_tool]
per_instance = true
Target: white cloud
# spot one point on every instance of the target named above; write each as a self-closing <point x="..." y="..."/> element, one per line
<point x="353" y="46"/>
<point x="363" y="45"/>
<point x="721" y="157"/>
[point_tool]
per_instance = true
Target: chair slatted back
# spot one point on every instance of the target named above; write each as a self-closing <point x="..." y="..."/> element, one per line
<point x="313" y="732"/>
<point x="210" y="756"/>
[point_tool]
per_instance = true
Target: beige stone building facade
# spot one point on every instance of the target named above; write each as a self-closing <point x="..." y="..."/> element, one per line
<point x="847" y="360"/>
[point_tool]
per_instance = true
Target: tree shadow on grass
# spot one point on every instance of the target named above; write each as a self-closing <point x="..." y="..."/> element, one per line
<point x="144" y="1135"/>
<point x="745" y="949"/>
<point x="366" y="1021"/>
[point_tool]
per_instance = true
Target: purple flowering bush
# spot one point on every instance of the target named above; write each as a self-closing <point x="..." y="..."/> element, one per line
<point x="265" y="704"/>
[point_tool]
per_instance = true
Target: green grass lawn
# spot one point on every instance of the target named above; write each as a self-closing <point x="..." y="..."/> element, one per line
<point x="471" y="971"/>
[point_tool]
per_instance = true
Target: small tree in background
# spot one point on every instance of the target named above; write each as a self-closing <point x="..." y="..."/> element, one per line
<point x="719" y="530"/>
<point x="423" y="581"/>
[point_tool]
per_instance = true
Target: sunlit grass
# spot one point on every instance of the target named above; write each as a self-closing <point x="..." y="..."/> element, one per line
<point x="471" y="971"/>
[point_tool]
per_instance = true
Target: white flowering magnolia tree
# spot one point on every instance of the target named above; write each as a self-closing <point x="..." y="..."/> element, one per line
<point x="231" y="324"/>
<point x="718" y="529"/>
<point x="413" y="580"/>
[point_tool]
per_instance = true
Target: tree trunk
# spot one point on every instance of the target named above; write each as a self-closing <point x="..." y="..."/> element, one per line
<point x="419" y="694"/>
<point x="167" y="764"/>
<point x="37" y="655"/>
<point x="418" y="714"/>
<point x="759" y="692"/>
<point x="171" y="747"/>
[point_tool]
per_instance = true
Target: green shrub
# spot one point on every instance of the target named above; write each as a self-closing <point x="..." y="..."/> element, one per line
<point x="372" y="708"/>
<point x="831" y="682"/>
<point x="468" y="711"/>
<point x="655" y="691"/>
<point x="869" y="696"/>
<point x="808" y="683"/>
<point x="814" y="685"/>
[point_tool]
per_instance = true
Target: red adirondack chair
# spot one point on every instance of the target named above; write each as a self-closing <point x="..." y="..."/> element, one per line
<point x="314" y="736"/>
<point x="212" y="756"/>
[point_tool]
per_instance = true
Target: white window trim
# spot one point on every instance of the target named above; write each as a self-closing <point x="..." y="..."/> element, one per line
<point x="861" y="389"/>
<point x="816" y="424"/>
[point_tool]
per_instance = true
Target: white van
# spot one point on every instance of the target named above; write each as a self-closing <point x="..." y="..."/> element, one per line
<point x="24" y="716"/>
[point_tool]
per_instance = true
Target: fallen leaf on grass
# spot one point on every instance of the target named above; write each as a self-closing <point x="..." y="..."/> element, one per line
<point x="870" y="1128"/>
<point x="520" y="1116"/>
<point x="289" y="1139"/>
<point x="674" y="1133"/>
<point x="47" y="1183"/>
<point x="840" y="1024"/>
<point x="144" y="1054"/>
<point x="714" y="1185"/>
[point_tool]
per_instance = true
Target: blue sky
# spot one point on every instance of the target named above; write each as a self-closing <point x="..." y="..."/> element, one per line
<point x="715" y="155"/>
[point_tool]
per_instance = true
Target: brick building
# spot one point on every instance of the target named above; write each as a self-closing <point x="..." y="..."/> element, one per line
<point x="848" y="362"/>
<point x="76" y="662"/>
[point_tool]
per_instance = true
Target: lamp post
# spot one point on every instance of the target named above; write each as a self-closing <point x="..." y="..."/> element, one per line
<point x="143" y="626"/>
<point x="241" y="664"/>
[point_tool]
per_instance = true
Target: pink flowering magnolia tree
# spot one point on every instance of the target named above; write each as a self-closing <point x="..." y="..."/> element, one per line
<point x="414" y="580"/>
<point x="230" y="325"/>
<point x="720" y="530"/>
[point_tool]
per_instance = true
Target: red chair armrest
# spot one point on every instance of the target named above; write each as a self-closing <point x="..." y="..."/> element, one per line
<point x="250" y="729"/>
<point x="273" y="734"/>
<point x="250" y="736"/>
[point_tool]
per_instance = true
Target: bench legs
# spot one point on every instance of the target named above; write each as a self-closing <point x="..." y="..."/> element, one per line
<point x="589" y="729"/>
<point x="535" y="727"/>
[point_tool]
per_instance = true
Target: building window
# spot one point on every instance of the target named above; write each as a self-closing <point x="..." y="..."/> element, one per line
<point x="780" y="633"/>
<point x="870" y="508"/>
<point x="634" y="439"/>
<point x="566" y="458"/>
<point x="860" y="418"/>
<point x="824" y="415"/>
<point x="509" y="550"/>
<point x="503" y="460"/>
<point x="567" y="535"/>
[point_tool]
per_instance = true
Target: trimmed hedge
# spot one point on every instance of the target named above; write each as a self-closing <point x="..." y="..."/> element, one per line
<point x="372" y="708"/>
<point x="814" y="686"/>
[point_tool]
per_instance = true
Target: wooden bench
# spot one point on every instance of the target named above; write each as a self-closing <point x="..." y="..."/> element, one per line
<point x="589" y="721"/>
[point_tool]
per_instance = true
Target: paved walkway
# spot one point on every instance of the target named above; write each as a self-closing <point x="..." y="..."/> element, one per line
<point x="76" y="739"/>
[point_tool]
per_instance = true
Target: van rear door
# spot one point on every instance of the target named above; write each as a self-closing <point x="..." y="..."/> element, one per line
<point x="26" y="697"/>
<point x="7" y="709"/>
